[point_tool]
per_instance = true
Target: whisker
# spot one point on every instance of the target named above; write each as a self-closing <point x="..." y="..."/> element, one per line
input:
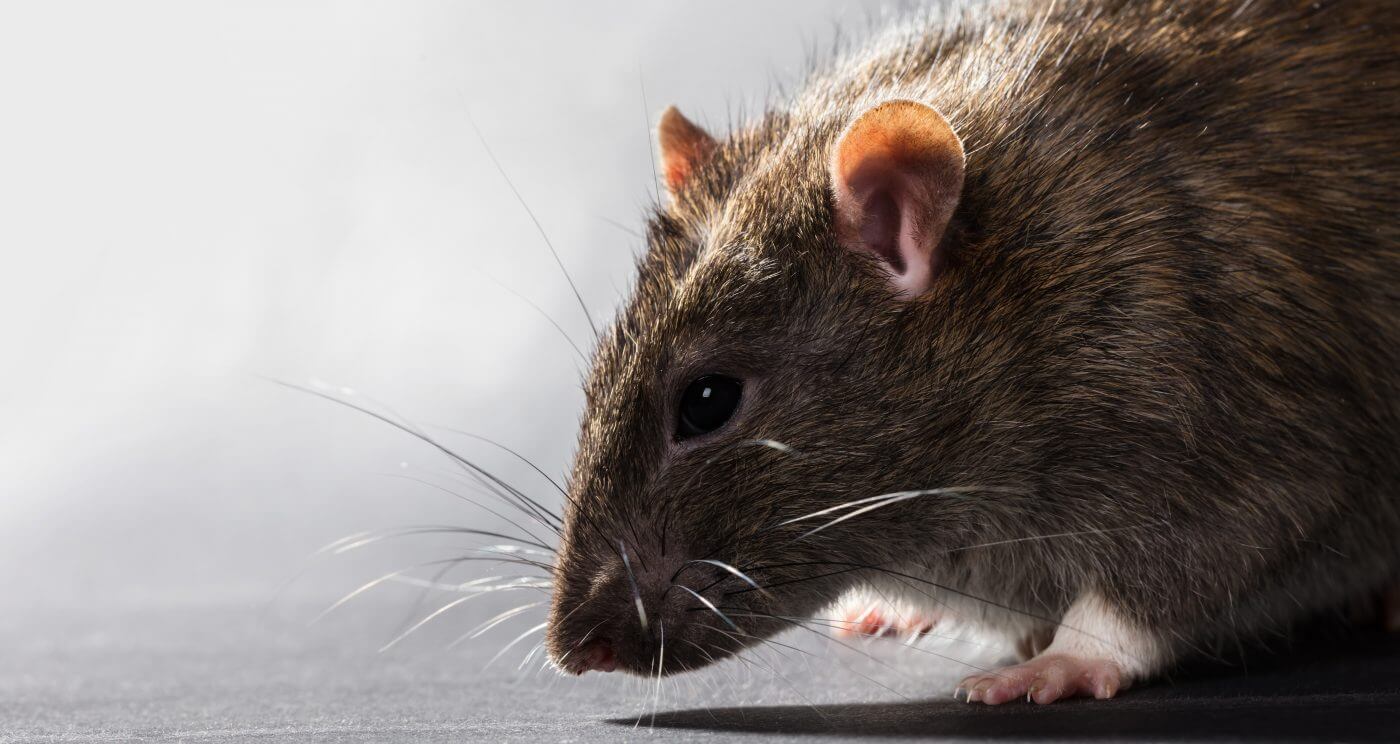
<point x="725" y="566"/>
<point x="525" y="582"/>
<point x="425" y="590"/>
<point x="920" y="649"/>
<point x="892" y="498"/>
<point x="807" y="655"/>
<point x="873" y="658"/>
<point x="850" y="568"/>
<point x="708" y="604"/>
<point x="799" y="624"/>
<point x="582" y="639"/>
<point x="643" y="711"/>
<point x="510" y="645"/>
<point x="509" y="549"/>
<point x="512" y="453"/>
<point x="773" y="669"/>
<point x="538" y="226"/>
<point x="439" y="611"/>
<point x="846" y="625"/>
<point x="530" y="655"/>
<point x="567" y="338"/>
<point x="897" y="495"/>
<point x="429" y="529"/>
<point x="493" y="622"/>
<point x="866" y="677"/>
<point x="636" y="591"/>
<point x="941" y="587"/>
<point x="831" y="509"/>
<point x="389" y="577"/>
<point x="699" y="648"/>
<point x="660" y="667"/>
<point x="1079" y="533"/>
<point x="534" y="539"/>
<point x="646" y="125"/>
<point x="630" y="231"/>
<point x="522" y="502"/>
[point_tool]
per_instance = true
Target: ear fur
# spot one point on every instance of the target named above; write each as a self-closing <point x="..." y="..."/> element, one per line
<point x="684" y="147"/>
<point x="897" y="175"/>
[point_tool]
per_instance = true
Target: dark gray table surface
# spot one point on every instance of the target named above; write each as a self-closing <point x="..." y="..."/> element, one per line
<point x="232" y="673"/>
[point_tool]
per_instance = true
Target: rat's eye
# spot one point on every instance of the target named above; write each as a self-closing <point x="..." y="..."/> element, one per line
<point x="707" y="403"/>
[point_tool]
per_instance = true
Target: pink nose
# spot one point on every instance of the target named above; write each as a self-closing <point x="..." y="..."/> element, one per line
<point x="597" y="656"/>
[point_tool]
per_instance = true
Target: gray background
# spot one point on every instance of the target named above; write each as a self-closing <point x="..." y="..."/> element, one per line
<point x="197" y="195"/>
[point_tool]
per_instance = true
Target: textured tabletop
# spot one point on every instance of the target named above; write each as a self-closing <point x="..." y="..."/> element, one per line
<point x="231" y="673"/>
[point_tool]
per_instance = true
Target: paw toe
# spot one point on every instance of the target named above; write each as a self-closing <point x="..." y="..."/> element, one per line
<point x="1045" y="679"/>
<point x="878" y="622"/>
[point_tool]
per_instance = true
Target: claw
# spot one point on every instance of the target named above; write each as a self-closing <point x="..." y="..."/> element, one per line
<point x="1046" y="679"/>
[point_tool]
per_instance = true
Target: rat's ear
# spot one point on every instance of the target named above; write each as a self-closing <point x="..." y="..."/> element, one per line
<point x="684" y="146"/>
<point x="897" y="173"/>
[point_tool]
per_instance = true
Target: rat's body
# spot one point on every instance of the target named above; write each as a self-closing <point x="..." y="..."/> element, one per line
<point x="1144" y="301"/>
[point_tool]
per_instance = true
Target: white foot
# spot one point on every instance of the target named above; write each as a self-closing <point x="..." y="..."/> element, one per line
<point x="1045" y="679"/>
<point x="1094" y="653"/>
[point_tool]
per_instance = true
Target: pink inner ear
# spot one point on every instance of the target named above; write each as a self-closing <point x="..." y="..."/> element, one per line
<point x="879" y="229"/>
<point x="881" y="207"/>
<point x="897" y="174"/>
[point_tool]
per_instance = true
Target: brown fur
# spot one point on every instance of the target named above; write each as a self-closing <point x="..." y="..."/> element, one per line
<point x="1169" y="309"/>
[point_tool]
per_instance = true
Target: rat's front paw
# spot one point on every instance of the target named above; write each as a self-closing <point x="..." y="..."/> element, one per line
<point x="1045" y="679"/>
<point x="881" y="620"/>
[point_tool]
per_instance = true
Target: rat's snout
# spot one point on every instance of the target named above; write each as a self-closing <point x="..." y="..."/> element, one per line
<point x="597" y="656"/>
<point x="641" y="614"/>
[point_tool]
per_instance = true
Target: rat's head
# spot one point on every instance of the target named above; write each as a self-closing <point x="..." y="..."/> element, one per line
<point x="771" y="361"/>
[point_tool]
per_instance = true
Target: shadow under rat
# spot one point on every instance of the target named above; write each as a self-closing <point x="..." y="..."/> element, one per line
<point x="1331" y="687"/>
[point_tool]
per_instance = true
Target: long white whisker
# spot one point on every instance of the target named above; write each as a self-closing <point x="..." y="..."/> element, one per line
<point x="510" y="645"/>
<point x="733" y="570"/>
<point x="523" y="582"/>
<point x="391" y="576"/>
<point x="891" y="498"/>
<point x="361" y="590"/>
<point x="868" y="678"/>
<point x="868" y="499"/>
<point x="1078" y="533"/>
<point x="337" y="543"/>
<point x="425" y="620"/>
<point x="363" y="539"/>
<point x="660" y="664"/>
<point x="484" y="590"/>
<point x="506" y="549"/>
<point x="530" y="655"/>
<point x="708" y="604"/>
<point x="636" y="591"/>
<point x="493" y="622"/>
<point x="836" y="508"/>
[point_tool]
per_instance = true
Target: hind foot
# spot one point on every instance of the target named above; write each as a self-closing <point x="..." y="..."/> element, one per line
<point x="1095" y="652"/>
<point x="880" y="620"/>
<point x="1045" y="679"/>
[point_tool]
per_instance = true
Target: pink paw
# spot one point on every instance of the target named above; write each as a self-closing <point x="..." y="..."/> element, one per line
<point x="1046" y="679"/>
<point x="880" y="621"/>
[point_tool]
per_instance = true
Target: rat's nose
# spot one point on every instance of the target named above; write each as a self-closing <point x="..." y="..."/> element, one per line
<point x="597" y="655"/>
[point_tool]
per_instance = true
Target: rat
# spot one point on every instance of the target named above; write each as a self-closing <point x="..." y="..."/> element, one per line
<point x="1077" y="322"/>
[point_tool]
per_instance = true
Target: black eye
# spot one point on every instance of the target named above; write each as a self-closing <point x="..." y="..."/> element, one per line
<point x="707" y="403"/>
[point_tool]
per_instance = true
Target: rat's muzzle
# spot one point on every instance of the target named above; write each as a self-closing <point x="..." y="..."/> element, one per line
<point x="649" y="614"/>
